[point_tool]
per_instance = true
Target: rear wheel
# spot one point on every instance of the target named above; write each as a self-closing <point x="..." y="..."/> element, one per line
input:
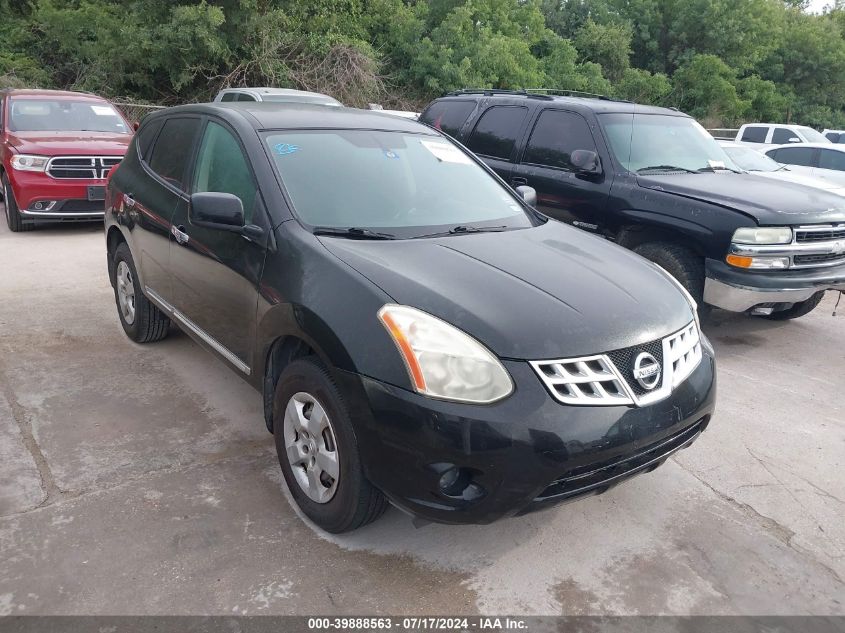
<point x="142" y="321"/>
<point x="13" y="215"/>
<point x="318" y="450"/>
<point x="797" y="309"/>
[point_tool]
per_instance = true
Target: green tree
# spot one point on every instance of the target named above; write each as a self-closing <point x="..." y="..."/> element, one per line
<point x="608" y="45"/>
<point x="704" y="87"/>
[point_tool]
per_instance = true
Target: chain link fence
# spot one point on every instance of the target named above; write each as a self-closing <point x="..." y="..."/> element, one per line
<point x="134" y="112"/>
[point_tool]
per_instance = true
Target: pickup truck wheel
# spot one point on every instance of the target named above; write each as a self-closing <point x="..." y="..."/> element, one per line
<point x="142" y="321"/>
<point x="13" y="215"/>
<point x="318" y="450"/>
<point x="680" y="262"/>
<point x="798" y="309"/>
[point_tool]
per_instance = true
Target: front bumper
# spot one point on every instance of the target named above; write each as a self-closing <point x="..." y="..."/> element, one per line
<point x="522" y="454"/>
<point x="739" y="290"/>
<point x="42" y="198"/>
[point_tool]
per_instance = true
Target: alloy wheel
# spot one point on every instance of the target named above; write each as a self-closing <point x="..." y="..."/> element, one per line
<point x="311" y="447"/>
<point x="126" y="293"/>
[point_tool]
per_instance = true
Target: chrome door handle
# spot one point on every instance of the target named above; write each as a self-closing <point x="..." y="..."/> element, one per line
<point x="179" y="234"/>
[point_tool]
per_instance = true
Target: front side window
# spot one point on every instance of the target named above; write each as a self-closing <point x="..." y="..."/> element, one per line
<point x="448" y="116"/>
<point x="755" y="134"/>
<point x="408" y="185"/>
<point x="65" y="115"/>
<point x="781" y="136"/>
<point x="495" y="133"/>
<point x="172" y="150"/>
<point x="222" y="167"/>
<point x="229" y="96"/>
<point x="831" y="159"/>
<point x="242" y="96"/>
<point x="555" y="136"/>
<point x="812" y="135"/>
<point x="795" y="156"/>
<point x="660" y="142"/>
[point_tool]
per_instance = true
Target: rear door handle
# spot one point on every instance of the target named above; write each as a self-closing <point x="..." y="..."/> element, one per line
<point x="128" y="200"/>
<point x="179" y="234"/>
<point x="518" y="181"/>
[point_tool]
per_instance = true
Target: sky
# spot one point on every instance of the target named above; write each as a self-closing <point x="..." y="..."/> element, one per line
<point x="817" y="6"/>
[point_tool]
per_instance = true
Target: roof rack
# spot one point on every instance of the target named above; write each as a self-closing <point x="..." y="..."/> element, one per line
<point x="535" y="93"/>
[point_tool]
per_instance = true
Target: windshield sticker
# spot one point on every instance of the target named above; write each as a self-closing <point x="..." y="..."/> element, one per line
<point x="390" y="154"/>
<point x="446" y="153"/>
<point x="716" y="164"/>
<point x="283" y="149"/>
<point x="102" y="110"/>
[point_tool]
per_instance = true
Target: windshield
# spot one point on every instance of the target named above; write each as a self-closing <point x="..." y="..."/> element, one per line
<point x="319" y="100"/>
<point x="641" y="141"/>
<point x="407" y="185"/>
<point x="751" y="160"/>
<point x="812" y="136"/>
<point x="64" y="115"/>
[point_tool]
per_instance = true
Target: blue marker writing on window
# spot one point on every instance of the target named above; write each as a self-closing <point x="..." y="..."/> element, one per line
<point x="283" y="149"/>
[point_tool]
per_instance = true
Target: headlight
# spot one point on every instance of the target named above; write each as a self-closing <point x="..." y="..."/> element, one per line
<point x="442" y="361"/>
<point x="758" y="262"/>
<point x="27" y="162"/>
<point x="763" y="235"/>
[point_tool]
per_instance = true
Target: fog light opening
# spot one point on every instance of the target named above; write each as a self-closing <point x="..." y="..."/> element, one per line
<point x="42" y="205"/>
<point x="457" y="482"/>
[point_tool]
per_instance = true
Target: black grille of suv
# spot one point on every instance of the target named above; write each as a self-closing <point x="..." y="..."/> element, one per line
<point x="803" y="236"/>
<point x="624" y="361"/>
<point x="818" y="259"/>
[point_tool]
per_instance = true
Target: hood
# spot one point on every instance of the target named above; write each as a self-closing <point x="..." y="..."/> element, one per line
<point x="70" y="143"/>
<point x="788" y="175"/>
<point x="547" y="292"/>
<point x="768" y="201"/>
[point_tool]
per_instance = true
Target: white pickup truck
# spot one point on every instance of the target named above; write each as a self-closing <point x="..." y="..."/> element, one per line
<point x="762" y="136"/>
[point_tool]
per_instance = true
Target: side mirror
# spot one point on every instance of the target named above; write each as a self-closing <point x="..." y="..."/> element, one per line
<point x="794" y="139"/>
<point x="528" y="194"/>
<point x="223" y="212"/>
<point x="585" y="161"/>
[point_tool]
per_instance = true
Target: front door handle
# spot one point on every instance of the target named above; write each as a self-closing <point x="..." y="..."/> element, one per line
<point x="519" y="181"/>
<point x="179" y="234"/>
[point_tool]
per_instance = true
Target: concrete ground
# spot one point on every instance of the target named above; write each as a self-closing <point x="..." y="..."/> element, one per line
<point x="141" y="480"/>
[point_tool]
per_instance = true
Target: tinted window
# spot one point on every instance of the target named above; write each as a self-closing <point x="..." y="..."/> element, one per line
<point x="496" y="130"/>
<point x="755" y="134"/>
<point x="229" y="96"/>
<point x="173" y="150"/>
<point x="555" y="136"/>
<point x="833" y="137"/>
<point x="222" y="166"/>
<point x="146" y="136"/>
<point x="245" y="97"/>
<point x="831" y="159"/>
<point x="795" y="156"/>
<point x="448" y="116"/>
<point x="781" y="135"/>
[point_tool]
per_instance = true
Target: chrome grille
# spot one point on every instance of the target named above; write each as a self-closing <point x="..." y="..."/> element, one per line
<point x="81" y="167"/>
<point x="608" y="379"/>
<point x="812" y="246"/>
<point x="807" y="234"/>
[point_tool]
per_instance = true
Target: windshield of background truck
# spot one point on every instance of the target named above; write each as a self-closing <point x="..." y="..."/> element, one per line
<point x="812" y="136"/>
<point x="752" y="160"/>
<point x="639" y="141"/>
<point x="64" y="115"/>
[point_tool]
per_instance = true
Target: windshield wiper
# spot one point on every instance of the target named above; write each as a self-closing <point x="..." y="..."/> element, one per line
<point x="353" y="232"/>
<point x="463" y="228"/>
<point x="666" y="168"/>
<point x="715" y="169"/>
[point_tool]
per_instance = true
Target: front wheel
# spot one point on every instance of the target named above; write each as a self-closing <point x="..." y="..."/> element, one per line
<point x="797" y="309"/>
<point x="680" y="262"/>
<point x="318" y="450"/>
<point x="13" y="215"/>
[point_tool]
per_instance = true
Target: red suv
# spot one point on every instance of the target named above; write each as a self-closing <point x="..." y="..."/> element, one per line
<point x="56" y="149"/>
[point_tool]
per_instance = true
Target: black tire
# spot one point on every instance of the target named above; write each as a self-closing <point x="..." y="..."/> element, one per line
<point x="13" y="215"/>
<point x="356" y="501"/>
<point x="680" y="262"/>
<point x="798" y="309"/>
<point x="149" y="324"/>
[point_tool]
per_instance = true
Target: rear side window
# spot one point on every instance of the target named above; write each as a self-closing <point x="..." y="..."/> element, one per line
<point x="795" y="156"/>
<point x="754" y="134"/>
<point x="781" y="135"/>
<point x="496" y="131"/>
<point x="146" y="136"/>
<point x="242" y="96"/>
<point x="448" y="116"/>
<point x="222" y="167"/>
<point x="229" y="96"/>
<point x="172" y="150"/>
<point x="555" y="136"/>
<point x="831" y="159"/>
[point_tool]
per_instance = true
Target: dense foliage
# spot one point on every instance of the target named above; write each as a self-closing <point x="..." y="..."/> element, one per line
<point x="724" y="61"/>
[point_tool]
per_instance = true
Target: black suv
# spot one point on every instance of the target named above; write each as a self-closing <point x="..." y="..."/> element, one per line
<point x="419" y="333"/>
<point x="653" y="180"/>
